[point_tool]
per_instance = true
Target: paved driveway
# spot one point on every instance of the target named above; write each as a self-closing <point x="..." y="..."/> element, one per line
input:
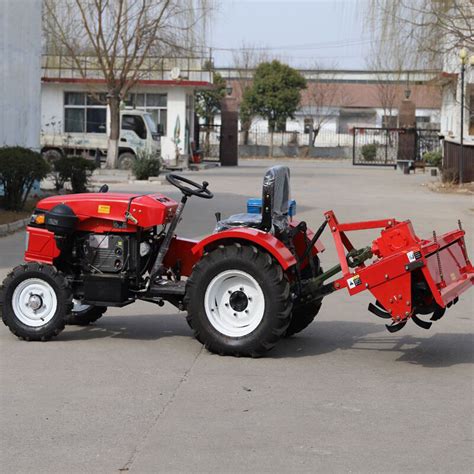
<point x="136" y="392"/>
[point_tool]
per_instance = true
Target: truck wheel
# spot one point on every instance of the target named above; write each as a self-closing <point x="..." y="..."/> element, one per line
<point x="303" y="314"/>
<point x="238" y="301"/>
<point x="126" y="160"/>
<point x="34" y="301"/>
<point x="84" y="314"/>
<point x="52" y="155"/>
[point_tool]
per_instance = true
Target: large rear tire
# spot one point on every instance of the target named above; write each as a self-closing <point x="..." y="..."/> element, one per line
<point x="238" y="301"/>
<point x="303" y="314"/>
<point x="34" y="301"/>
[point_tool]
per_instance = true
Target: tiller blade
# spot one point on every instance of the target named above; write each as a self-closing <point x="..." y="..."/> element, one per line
<point x="395" y="327"/>
<point x="420" y="322"/>
<point x="381" y="313"/>
<point x="438" y="313"/>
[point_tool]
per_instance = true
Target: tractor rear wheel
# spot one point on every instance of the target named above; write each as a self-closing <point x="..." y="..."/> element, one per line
<point x="34" y="301"/>
<point x="303" y="314"/>
<point x="238" y="301"/>
<point x="83" y="314"/>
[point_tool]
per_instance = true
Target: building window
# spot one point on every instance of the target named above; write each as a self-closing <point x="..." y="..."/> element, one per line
<point x="155" y="104"/>
<point x="85" y="112"/>
<point x="422" y="121"/>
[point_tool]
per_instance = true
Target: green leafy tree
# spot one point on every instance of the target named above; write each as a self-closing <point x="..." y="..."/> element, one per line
<point x="274" y="95"/>
<point x="208" y="104"/>
<point x="19" y="169"/>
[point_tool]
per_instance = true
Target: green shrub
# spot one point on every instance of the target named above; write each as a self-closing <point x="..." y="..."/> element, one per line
<point x="433" y="158"/>
<point x="74" y="169"/>
<point x="145" y="166"/>
<point x="369" y="152"/>
<point x="19" y="169"/>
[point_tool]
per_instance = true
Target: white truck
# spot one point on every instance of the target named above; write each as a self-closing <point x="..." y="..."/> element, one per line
<point x="138" y="134"/>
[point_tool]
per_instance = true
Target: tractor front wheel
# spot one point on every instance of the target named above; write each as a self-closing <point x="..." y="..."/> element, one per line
<point x="34" y="301"/>
<point x="238" y="301"/>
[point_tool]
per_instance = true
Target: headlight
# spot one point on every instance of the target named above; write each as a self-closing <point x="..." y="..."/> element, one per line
<point x="38" y="218"/>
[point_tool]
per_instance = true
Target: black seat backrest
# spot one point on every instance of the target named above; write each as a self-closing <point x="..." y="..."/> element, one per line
<point x="275" y="198"/>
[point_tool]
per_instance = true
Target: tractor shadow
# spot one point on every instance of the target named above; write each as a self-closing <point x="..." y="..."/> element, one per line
<point x="141" y="327"/>
<point x="439" y="350"/>
<point x="436" y="351"/>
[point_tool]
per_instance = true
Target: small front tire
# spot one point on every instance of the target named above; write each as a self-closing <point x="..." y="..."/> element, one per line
<point x="34" y="301"/>
<point x="83" y="315"/>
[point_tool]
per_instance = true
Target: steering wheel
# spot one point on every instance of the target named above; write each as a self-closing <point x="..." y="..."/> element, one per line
<point x="199" y="190"/>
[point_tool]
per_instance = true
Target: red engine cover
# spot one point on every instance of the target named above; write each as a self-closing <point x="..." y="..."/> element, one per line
<point x="98" y="211"/>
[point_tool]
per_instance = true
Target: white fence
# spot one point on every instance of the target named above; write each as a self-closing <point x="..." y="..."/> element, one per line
<point x="325" y="138"/>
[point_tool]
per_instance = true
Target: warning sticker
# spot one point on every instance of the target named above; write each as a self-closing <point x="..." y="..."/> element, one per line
<point x="413" y="256"/>
<point x="354" y="281"/>
<point x="103" y="209"/>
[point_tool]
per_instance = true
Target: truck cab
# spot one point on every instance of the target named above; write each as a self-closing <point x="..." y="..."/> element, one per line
<point x="138" y="134"/>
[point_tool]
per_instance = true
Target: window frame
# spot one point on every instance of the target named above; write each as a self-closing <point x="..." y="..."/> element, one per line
<point x="161" y="110"/>
<point x="84" y="106"/>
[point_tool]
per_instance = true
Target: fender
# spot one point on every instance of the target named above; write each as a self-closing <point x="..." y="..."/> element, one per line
<point x="257" y="237"/>
<point x="41" y="246"/>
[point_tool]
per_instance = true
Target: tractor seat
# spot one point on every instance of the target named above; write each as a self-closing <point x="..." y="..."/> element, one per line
<point x="275" y="205"/>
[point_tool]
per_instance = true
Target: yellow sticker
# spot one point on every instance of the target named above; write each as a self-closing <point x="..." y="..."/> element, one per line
<point x="103" y="209"/>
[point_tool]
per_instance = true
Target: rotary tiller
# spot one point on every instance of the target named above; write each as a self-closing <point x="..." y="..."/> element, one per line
<point x="256" y="278"/>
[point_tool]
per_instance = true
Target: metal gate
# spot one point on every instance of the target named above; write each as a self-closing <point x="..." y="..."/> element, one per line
<point x="380" y="146"/>
<point x="427" y="140"/>
<point x="375" y="146"/>
<point x="210" y="141"/>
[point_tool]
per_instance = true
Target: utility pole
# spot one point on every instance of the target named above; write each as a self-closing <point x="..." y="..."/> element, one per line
<point x="463" y="56"/>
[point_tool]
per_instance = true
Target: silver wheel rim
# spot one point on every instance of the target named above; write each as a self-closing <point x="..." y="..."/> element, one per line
<point x="34" y="302"/>
<point x="234" y="303"/>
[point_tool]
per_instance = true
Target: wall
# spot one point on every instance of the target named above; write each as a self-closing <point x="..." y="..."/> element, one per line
<point x="20" y="72"/>
<point x="176" y="108"/>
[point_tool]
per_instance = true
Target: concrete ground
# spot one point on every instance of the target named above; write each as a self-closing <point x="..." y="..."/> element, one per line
<point x="135" y="392"/>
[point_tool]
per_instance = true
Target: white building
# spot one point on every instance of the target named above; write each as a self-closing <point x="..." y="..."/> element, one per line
<point x="450" y="80"/>
<point x="72" y="103"/>
<point x="20" y="73"/>
<point x="354" y="99"/>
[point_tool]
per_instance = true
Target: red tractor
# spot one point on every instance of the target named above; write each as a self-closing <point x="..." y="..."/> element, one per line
<point x="254" y="280"/>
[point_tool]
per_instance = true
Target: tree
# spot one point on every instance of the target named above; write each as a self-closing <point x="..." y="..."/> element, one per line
<point x="323" y="94"/>
<point x="388" y="91"/>
<point x="208" y="104"/>
<point x="19" y="169"/>
<point x="246" y="60"/>
<point x="274" y="95"/>
<point x="122" y="40"/>
<point x="431" y="27"/>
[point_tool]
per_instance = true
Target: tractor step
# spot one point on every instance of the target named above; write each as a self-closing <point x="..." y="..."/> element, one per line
<point x="162" y="287"/>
